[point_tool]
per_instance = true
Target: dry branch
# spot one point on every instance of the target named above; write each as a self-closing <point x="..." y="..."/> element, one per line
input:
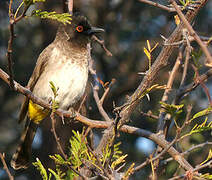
<point x="148" y="80"/>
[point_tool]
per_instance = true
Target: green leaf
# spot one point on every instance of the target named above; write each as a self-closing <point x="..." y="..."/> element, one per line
<point x="199" y="128"/>
<point x="118" y="161"/>
<point x="57" y="177"/>
<point x="58" y="159"/>
<point x="202" y="113"/>
<point x="208" y="158"/>
<point x="206" y="176"/>
<point x="64" y="18"/>
<point x="41" y="169"/>
<point x="196" y="57"/>
<point x="172" y="108"/>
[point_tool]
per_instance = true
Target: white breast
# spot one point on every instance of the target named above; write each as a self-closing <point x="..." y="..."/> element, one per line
<point x="70" y="77"/>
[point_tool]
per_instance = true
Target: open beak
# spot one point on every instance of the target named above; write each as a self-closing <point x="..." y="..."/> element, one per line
<point x="95" y="30"/>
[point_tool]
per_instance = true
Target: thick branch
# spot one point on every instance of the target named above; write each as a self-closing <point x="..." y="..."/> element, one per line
<point x="101" y="124"/>
<point x="147" y="82"/>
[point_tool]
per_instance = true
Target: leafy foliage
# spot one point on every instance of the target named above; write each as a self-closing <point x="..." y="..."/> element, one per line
<point x="172" y="109"/>
<point x="81" y="154"/>
<point x="64" y="18"/>
<point x="41" y="169"/>
<point x="55" y="103"/>
<point x="199" y="128"/>
<point x="148" y="52"/>
<point x="202" y="113"/>
<point x="208" y="158"/>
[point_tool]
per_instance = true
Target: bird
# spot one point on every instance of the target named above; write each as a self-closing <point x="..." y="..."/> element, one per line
<point x="64" y="62"/>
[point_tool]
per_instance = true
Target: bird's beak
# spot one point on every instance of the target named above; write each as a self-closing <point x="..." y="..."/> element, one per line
<point x="94" y="30"/>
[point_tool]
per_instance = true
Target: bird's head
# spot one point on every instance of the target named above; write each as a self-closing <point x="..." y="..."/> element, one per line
<point x="80" y="30"/>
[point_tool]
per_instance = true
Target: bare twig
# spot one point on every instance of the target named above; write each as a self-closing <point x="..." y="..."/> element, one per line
<point x="107" y="91"/>
<point x="185" y="90"/>
<point x="5" y="166"/>
<point x="101" y="42"/>
<point x="13" y="21"/>
<point x="188" y="151"/>
<point x="10" y="43"/>
<point x="99" y="105"/>
<point x="158" y="5"/>
<point x="168" y="89"/>
<point x="188" y="51"/>
<point x="57" y="139"/>
<point x="193" y="172"/>
<point x="149" y="114"/>
<point x="198" y="79"/>
<point x="95" y="93"/>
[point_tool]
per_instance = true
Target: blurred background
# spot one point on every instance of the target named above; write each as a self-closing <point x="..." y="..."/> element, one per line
<point x="128" y="24"/>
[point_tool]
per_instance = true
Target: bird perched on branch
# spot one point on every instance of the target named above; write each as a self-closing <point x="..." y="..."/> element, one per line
<point x="65" y="63"/>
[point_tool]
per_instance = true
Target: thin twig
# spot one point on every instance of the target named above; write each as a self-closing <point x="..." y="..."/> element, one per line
<point x="193" y="172"/>
<point x="203" y="85"/>
<point x="95" y="92"/>
<point x="188" y="52"/>
<point x="149" y="114"/>
<point x="158" y="5"/>
<point x="57" y="139"/>
<point x="168" y="89"/>
<point x="107" y="91"/>
<point x="183" y="91"/>
<point x="101" y="42"/>
<point x="10" y="43"/>
<point x="13" y="20"/>
<point x="5" y="166"/>
<point x="188" y="151"/>
<point x="99" y="105"/>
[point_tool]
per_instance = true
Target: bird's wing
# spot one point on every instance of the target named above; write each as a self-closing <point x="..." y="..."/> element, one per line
<point x="39" y="68"/>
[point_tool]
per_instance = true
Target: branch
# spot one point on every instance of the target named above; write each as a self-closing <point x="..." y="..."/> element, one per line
<point x="100" y="124"/>
<point x="5" y="166"/>
<point x="102" y="43"/>
<point x="13" y="20"/>
<point x="193" y="33"/>
<point x="95" y="92"/>
<point x="158" y="5"/>
<point x="57" y="139"/>
<point x="193" y="172"/>
<point x="167" y="91"/>
<point x="147" y="81"/>
<point x="188" y="151"/>
<point x="184" y="91"/>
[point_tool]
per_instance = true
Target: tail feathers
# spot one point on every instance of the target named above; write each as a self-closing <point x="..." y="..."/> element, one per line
<point x="21" y="159"/>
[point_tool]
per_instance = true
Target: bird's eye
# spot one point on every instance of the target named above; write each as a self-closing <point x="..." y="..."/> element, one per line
<point x="79" y="28"/>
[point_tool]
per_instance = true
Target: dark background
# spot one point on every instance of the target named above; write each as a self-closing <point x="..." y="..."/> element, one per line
<point x="128" y="24"/>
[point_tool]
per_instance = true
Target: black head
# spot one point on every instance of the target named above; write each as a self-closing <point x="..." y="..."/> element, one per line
<point x="80" y="30"/>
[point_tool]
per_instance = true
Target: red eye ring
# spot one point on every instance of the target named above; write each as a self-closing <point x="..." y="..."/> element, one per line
<point x="79" y="28"/>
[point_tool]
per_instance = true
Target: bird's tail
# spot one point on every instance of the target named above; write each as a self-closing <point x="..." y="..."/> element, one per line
<point x="21" y="158"/>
